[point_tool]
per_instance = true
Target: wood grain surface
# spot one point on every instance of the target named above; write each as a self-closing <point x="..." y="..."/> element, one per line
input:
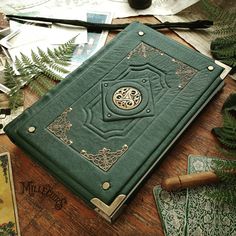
<point x="39" y="216"/>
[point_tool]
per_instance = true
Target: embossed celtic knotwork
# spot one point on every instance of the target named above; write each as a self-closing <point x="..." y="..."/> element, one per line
<point x="127" y="98"/>
<point x="60" y="126"/>
<point x="105" y="158"/>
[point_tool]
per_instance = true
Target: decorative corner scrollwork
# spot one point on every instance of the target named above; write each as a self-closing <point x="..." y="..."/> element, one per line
<point x="105" y="158"/>
<point x="60" y="126"/>
<point x="143" y="50"/>
<point x="184" y="72"/>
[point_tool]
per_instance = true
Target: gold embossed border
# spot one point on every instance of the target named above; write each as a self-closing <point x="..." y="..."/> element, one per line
<point x="105" y="158"/>
<point x="60" y="126"/>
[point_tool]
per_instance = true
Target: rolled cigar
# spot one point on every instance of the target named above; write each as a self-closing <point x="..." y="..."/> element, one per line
<point x="188" y="181"/>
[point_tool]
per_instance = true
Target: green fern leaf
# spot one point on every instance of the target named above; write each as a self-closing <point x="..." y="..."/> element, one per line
<point x="44" y="56"/>
<point x="51" y="54"/>
<point x="230" y="103"/>
<point x="231" y="62"/>
<point x="227" y="153"/>
<point x="35" y="58"/>
<point x="26" y="60"/>
<point x="51" y="75"/>
<point x="58" y="68"/>
<point x="65" y="51"/>
<point x="9" y="76"/>
<point x="224" y="31"/>
<point x="64" y="62"/>
<point x="16" y="99"/>
<point x="19" y="66"/>
<point x="223" y="49"/>
<point x="38" y="71"/>
<point x="46" y="82"/>
<point x="36" y="87"/>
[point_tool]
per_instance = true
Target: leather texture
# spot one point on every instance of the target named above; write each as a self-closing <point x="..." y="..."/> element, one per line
<point x="78" y="117"/>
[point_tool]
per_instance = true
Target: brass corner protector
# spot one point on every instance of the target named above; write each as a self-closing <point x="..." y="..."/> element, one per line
<point x="107" y="210"/>
<point x="226" y="70"/>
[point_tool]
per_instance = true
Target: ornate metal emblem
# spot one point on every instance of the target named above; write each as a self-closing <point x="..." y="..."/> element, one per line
<point x="105" y="158"/>
<point x="60" y="126"/>
<point x="127" y="98"/>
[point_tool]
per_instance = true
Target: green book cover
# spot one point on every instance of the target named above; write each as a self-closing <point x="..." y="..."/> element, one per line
<point x="104" y="128"/>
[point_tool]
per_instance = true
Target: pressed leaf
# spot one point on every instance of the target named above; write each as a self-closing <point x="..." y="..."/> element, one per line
<point x="38" y="71"/>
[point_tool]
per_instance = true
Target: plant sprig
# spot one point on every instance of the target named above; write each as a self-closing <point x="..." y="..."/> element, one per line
<point x="223" y="47"/>
<point x="38" y="71"/>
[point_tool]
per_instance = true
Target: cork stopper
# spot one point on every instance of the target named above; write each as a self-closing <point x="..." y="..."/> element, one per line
<point x="140" y="4"/>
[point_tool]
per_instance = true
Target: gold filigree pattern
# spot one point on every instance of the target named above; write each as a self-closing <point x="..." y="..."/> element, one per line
<point x="183" y="71"/>
<point x="127" y="98"/>
<point x="105" y="158"/>
<point x="143" y="50"/>
<point x="60" y="126"/>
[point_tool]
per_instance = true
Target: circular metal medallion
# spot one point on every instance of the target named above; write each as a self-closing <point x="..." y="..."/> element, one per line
<point x="127" y="98"/>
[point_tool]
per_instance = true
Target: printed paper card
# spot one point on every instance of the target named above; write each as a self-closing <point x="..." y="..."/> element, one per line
<point x="194" y="212"/>
<point x="171" y="207"/>
<point x="207" y="216"/>
<point x="9" y="224"/>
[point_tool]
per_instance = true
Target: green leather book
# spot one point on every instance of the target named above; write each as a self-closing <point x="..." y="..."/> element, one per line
<point x="103" y="129"/>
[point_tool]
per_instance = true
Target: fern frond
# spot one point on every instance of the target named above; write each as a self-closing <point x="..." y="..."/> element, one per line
<point x="36" y="59"/>
<point x="224" y="31"/>
<point x="58" y="68"/>
<point x="225" y="53"/>
<point x="26" y="60"/>
<point x="36" y="87"/>
<point x="225" y="134"/>
<point x="230" y="103"/>
<point x="19" y="66"/>
<point x="227" y="152"/>
<point x="65" y="51"/>
<point x="211" y="10"/>
<point x="226" y="176"/>
<point x="223" y="49"/>
<point x="64" y="62"/>
<point x="51" y="75"/>
<point x="225" y="170"/>
<point x="224" y="41"/>
<point x="223" y="164"/>
<point x="215" y="13"/>
<point x="10" y="76"/>
<point x="46" y="82"/>
<point x="44" y="56"/>
<point x="229" y="121"/>
<point x="51" y="54"/>
<point x="38" y="71"/>
<point x="16" y="99"/>
<point x="231" y="62"/>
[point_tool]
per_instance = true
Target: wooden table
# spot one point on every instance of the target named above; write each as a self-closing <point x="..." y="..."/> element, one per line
<point x="37" y="213"/>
